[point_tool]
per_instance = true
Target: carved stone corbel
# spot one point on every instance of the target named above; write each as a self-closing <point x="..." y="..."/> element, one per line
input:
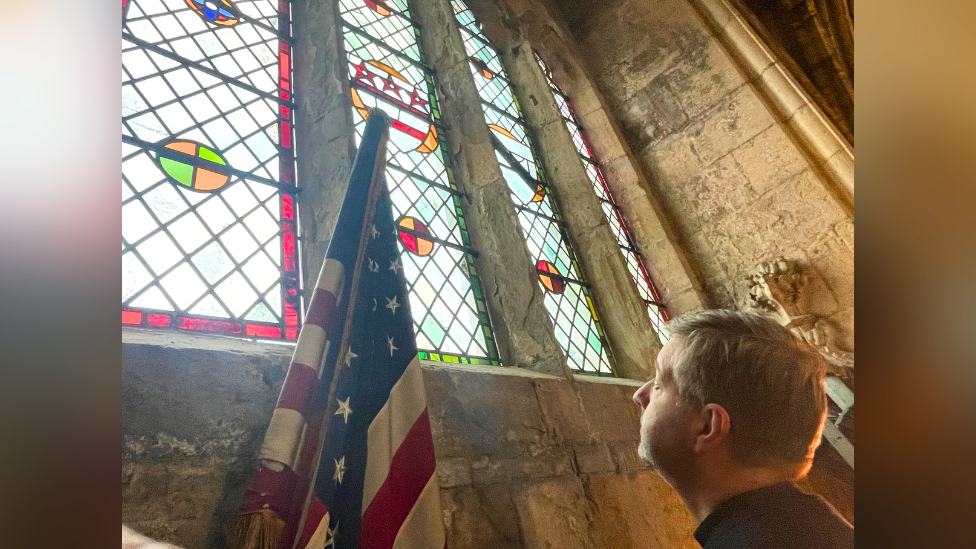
<point x="774" y="292"/>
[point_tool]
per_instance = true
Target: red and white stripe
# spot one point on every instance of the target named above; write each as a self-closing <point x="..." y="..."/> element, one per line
<point x="292" y="437"/>
<point x="401" y="501"/>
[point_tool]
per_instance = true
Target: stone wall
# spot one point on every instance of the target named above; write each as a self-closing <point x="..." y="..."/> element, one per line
<point x="732" y="184"/>
<point x="525" y="460"/>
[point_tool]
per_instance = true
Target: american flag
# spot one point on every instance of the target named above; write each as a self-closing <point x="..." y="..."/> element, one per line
<point x="348" y="460"/>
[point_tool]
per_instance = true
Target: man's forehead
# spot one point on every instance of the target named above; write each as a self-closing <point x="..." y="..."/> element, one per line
<point x="665" y="358"/>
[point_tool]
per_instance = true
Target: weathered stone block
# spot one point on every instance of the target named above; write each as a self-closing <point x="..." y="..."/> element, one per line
<point x="739" y="117"/>
<point x="639" y="511"/>
<point x="806" y="209"/>
<point x="703" y="77"/>
<point x="453" y="471"/>
<point x="173" y="501"/>
<point x="594" y="458"/>
<point x="626" y="458"/>
<point x="480" y="518"/>
<point x="674" y="160"/>
<point x="555" y="513"/>
<point x="474" y="414"/>
<point x="197" y="402"/>
<point x="769" y="159"/>
<point x="719" y="190"/>
<point x="652" y="113"/>
<point x="562" y="410"/>
<point x="610" y="412"/>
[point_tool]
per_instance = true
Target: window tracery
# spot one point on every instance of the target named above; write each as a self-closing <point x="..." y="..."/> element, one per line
<point x="655" y="309"/>
<point x="573" y="314"/>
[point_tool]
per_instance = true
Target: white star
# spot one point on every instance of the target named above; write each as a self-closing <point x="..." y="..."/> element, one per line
<point x="344" y="409"/>
<point x="389" y="343"/>
<point x="395" y="265"/>
<point x="372" y="265"/>
<point x="375" y="233"/>
<point x="340" y="469"/>
<point x="349" y="356"/>
<point x="330" y="536"/>
<point x="392" y="304"/>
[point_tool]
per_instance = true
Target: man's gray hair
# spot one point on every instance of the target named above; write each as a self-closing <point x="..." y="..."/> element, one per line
<point x="769" y="381"/>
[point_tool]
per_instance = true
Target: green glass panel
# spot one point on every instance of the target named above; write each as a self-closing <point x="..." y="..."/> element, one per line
<point x="595" y="342"/>
<point x="183" y="173"/>
<point x="208" y="154"/>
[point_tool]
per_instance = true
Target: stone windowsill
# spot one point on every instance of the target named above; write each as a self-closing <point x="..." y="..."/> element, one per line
<point x="246" y="346"/>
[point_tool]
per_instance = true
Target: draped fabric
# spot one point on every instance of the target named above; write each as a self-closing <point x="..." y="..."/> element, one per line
<point x="348" y="459"/>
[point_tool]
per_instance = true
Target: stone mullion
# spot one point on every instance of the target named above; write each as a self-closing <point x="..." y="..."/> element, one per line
<point x="523" y="329"/>
<point x="324" y="131"/>
<point x="623" y="313"/>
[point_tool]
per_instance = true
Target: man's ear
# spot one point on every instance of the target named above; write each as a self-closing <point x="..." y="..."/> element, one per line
<point x="714" y="427"/>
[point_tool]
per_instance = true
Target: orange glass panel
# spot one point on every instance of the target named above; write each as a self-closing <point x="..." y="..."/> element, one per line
<point x="183" y="147"/>
<point x="424" y="247"/>
<point x="387" y="69"/>
<point x="503" y="131"/>
<point x="207" y="180"/>
<point x="430" y="142"/>
<point x="540" y="193"/>
<point x="358" y="103"/>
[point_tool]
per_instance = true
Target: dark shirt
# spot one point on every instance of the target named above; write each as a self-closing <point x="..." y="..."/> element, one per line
<point x="778" y="516"/>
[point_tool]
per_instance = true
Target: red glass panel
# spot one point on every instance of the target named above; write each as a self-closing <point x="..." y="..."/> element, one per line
<point x="158" y="320"/>
<point x="283" y="60"/>
<point x="210" y="325"/>
<point x="286" y="134"/>
<point x="287" y="207"/>
<point x="291" y="333"/>
<point x="288" y="245"/>
<point x="260" y="330"/>
<point x="132" y="318"/>
<point x="291" y="314"/>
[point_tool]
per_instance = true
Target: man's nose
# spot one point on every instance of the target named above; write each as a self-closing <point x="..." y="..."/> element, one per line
<point x="642" y="396"/>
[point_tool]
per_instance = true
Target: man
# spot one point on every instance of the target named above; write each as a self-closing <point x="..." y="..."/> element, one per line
<point x="732" y="417"/>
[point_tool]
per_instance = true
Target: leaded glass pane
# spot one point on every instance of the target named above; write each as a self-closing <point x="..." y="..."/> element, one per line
<point x="387" y="71"/>
<point x="576" y="326"/>
<point x="209" y="235"/>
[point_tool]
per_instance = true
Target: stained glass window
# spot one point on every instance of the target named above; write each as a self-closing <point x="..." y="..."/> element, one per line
<point x="387" y="70"/>
<point x="655" y="309"/>
<point x="209" y="234"/>
<point x="566" y="295"/>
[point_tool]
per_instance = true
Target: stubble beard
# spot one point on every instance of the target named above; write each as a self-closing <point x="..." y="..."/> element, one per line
<point x="644" y="448"/>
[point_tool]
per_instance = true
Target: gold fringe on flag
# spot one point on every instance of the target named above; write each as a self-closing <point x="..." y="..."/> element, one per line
<point x="258" y="530"/>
